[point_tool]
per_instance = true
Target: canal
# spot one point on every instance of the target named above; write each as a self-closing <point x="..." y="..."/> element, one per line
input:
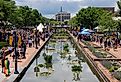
<point x="59" y="61"/>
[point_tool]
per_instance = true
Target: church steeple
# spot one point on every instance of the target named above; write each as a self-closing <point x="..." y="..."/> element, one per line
<point x="61" y="9"/>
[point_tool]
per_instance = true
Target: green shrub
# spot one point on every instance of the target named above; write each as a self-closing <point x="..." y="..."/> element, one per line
<point x="117" y="75"/>
<point x="41" y="65"/>
<point x="48" y="65"/>
<point x="107" y="64"/>
<point x="3" y="44"/>
<point x="48" y="58"/>
<point x="112" y="69"/>
<point x="98" y="54"/>
<point x="76" y="68"/>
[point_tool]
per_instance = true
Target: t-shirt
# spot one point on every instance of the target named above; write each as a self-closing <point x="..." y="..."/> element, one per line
<point x="30" y="41"/>
<point x="9" y="48"/>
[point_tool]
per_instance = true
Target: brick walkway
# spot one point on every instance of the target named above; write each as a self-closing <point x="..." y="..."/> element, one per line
<point x="30" y="53"/>
<point x="116" y="53"/>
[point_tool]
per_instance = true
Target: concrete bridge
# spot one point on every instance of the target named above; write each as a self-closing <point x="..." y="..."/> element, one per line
<point x="107" y="59"/>
<point x="61" y="26"/>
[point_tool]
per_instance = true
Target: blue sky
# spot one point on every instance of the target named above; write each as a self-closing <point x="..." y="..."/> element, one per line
<point x="49" y="8"/>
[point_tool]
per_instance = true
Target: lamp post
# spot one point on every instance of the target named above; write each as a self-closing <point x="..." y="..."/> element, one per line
<point x="44" y="30"/>
<point x="15" y="45"/>
<point x="36" y="38"/>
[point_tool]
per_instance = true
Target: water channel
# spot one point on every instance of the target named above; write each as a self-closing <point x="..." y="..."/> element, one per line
<point x="67" y="65"/>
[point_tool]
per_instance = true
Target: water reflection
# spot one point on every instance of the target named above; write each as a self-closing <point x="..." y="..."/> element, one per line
<point x="58" y="62"/>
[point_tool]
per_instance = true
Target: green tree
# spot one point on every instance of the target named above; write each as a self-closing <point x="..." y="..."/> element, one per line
<point x="6" y="9"/>
<point x="119" y="6"/>
<point x="73" y="22"/>
<point x="91" y="17"/>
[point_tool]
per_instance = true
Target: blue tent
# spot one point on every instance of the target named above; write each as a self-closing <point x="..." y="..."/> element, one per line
<point x="83" y="29"/>
<point x="88" y="30"/>
<point x="85" y="33"/>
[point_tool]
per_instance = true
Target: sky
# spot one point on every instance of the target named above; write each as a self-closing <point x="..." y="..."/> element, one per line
<point x="49" y="8"/>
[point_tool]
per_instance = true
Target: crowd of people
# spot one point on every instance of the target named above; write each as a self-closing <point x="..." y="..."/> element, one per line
<point x="24" y="39"/>
<point x="105" y="41"/>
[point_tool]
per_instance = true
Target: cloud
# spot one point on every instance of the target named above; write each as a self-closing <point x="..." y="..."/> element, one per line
<point x="51" y="7"/>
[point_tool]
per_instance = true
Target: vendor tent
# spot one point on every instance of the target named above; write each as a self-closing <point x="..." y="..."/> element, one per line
<point x="40" y="27"/>
<point x="88" y="30"/>
<point x="97" y="28"/>
<point x="85" y="33"/>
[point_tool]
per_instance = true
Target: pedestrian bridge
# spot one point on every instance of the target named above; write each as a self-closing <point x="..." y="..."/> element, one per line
<point x="107" y="59"/>
<point x="61" y="26"/>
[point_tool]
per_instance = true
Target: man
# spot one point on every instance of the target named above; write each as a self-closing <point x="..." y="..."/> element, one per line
<point x="3" y="59"/>
<point x="24" y="49"/>
<point x="7" y="69"/>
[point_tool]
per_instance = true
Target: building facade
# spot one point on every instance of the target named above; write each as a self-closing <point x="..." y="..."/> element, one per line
<point x="63" y="16"/>
<point x="110" y="9"/>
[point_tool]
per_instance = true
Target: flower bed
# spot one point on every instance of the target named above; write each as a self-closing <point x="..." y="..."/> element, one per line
<point x="95" y="51"/>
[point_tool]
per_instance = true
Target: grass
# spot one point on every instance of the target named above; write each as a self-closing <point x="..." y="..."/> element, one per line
<point x="3" y="44"/>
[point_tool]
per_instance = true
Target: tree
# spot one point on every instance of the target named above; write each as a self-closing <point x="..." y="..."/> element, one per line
<point x="25" y="16"/>
<point x="88" y="17"/>
<point x="6" y="9"/>
<point x="73" y="22"/>
<point x="119" y="6"/>
<point x="91" y="17"/>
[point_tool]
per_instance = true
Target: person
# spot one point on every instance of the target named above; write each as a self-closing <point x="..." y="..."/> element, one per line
<point x="3" y="59"/>
<point x="30" y="42"/>
<point x="109" y="43"/>
<point x="101" y="41"/>
<point x="78" y="37"/>
<point x="105" y="44"/>
<point x="3" y="65"/>
<point x="7" y="68"/>
<point x="33" y="40"/>
<point x="24" y="49"/>
<point x="38" y="40"/>
<point x="10" y="50"/>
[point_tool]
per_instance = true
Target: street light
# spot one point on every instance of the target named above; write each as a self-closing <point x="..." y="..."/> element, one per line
<point x="36" y="38"/>
<point x="44" y="30"/>
<point x="15" y="45"/>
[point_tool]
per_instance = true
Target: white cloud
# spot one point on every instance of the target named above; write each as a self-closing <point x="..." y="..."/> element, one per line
<point x="50" y="7"/>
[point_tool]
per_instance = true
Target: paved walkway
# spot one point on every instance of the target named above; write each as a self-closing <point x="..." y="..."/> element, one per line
<point x="30" y="53"/>
<point x="116" y="52"/>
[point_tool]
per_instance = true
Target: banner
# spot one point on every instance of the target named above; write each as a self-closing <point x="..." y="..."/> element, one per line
<point x="10" y="40"/>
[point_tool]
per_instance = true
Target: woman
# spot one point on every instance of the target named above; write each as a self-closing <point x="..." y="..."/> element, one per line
<point x="7" y="69"/>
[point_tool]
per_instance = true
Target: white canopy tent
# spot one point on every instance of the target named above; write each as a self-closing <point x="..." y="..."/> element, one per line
<point x="97" y="28"/>
<point x="40" y="27"/>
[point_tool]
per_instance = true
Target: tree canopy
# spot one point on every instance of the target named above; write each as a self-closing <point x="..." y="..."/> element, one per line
<point x="91" y="17"/>
<point x="19" y="15"/>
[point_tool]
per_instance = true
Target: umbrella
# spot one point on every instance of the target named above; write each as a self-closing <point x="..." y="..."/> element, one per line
<point x="82" y="29"/>
<point x="88" y="30"/>
<point x="85" y="33"/>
